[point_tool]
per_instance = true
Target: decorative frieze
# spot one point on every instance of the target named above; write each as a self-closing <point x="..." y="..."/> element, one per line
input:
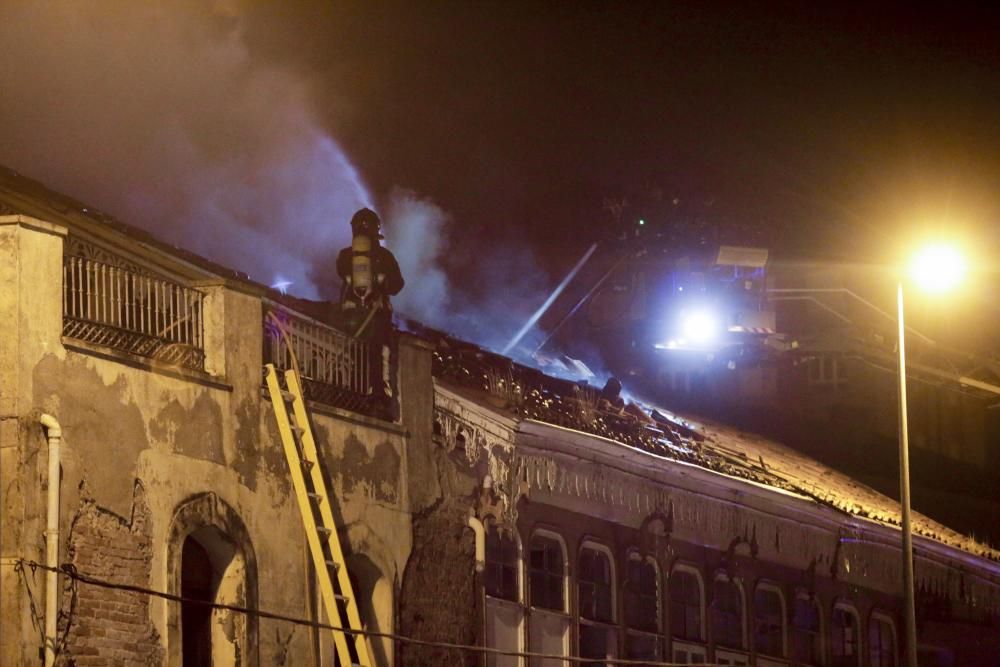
<point x="842" y="548"/>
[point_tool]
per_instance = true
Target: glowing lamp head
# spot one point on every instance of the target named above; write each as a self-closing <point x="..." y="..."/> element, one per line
<point x="699" y="326"/>
<point x="937" y="268"/>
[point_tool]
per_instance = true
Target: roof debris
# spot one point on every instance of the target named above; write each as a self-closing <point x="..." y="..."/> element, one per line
<point x="527" y="393"/>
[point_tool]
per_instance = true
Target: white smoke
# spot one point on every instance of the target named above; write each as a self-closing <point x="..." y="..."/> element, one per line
<point x="417" y="234"/>
<point x="158" y="114"/>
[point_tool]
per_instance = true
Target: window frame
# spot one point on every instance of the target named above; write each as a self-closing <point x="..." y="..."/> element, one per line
<point x="843" y="605"/>
<point x="702" y="639"/>
<point x="519" y="567"/>
<point x="821" y="638"/>
<point x="878" y="615"/>
<point x="534" y="613"/>
<point x="768" y="585"/>
<point x="609" y="626"/>
<point x="724" y="577"/>
<point x="657" y="634"/>
<point x="612" y="581"/>
<point x="550" y="535"/>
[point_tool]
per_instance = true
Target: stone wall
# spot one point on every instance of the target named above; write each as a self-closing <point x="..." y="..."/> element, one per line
<point x="439" y="599"/>
<point x="101" y="625"/>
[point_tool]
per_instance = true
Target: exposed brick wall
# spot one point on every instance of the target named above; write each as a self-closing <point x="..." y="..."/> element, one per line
<point x="438" y="600"/>
<point x="105" y="626"/>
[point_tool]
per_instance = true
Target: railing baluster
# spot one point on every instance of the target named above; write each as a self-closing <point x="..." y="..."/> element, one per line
<point x="78" y="280"/>
<point x="106" y="300"/>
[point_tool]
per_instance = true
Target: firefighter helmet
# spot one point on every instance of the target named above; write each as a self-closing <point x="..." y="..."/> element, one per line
<point x="367" y="223"/>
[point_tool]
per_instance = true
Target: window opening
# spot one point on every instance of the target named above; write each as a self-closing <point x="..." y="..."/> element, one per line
<point x="642" y="593"/>
<point x="881" y="642"/>
<point x="844" y="638"/>
<point x="727" y="613"/>
<point x="501" y="566"/>
<point x="685" y="605"/>
<point x="642" y="609"/>
<point x="596" y="590"/>
<point x="769" y="622"/>
<point x="547" y="573"/>
<point x="806" y="637"/>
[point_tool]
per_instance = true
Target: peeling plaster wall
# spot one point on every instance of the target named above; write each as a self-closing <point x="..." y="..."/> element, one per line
<point x="178" y="435"/>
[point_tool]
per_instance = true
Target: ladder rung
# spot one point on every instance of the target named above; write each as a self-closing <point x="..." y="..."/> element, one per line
<point x="318" y="497"/>
<point x="295" y="428"/>
<point x="307" y="464"/>
<point x="287" y="395"/>
<point x="334" y="565"/>
<point x="324" y="531"/>
<point x="342" y="598"/>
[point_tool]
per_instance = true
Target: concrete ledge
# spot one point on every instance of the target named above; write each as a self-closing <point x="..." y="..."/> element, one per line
<point x="347" y="415"/>
<point x="35" y="224"/>
<point x="142" y="363"/>
<point x="241" y="286"/>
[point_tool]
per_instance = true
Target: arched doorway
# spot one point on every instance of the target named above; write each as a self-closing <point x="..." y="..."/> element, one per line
<point x="197" y="583"/>
<point x="210" y="558"/>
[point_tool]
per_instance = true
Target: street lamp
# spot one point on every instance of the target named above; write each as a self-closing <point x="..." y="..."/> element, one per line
<point x="936" y="269"/>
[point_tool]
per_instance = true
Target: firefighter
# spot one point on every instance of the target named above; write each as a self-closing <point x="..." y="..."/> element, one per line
<point x="369" y="275"/>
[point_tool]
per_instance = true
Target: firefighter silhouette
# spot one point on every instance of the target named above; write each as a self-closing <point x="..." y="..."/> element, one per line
<point x="369" y="275"/>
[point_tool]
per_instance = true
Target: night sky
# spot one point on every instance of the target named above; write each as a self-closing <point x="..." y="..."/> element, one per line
<point x="519" y="119"/>
<point x="838" y="129"/>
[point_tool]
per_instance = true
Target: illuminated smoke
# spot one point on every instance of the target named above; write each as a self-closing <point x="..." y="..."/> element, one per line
<point x="157" y="113"/>
<point x="161" y="116"/>
<point x="417" y="230"/>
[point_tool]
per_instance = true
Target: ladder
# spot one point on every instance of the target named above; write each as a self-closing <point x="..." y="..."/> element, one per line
<point x="317" y="515"/>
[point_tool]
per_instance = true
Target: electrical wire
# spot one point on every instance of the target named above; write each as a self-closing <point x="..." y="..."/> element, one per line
<point x="70" y="571"/>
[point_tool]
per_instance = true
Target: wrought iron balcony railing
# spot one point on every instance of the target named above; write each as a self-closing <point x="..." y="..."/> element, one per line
<point x="336" y="369"/>
<point x="127" y="310"/>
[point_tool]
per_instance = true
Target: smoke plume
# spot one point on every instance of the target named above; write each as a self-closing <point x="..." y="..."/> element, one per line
<point x="162" y="115"/>
<point x="158" y="114"/>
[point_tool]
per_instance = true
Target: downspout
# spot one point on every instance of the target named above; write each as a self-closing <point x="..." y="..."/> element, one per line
<point x="480" y="532"/>
<point x="54" y="433"/>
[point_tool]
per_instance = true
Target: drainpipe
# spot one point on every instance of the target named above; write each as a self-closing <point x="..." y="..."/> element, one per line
<point x="480" y="531"/>
<point x="54" y="433"/>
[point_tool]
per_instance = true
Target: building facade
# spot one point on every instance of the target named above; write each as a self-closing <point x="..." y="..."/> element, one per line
<point x="496" y="508"/>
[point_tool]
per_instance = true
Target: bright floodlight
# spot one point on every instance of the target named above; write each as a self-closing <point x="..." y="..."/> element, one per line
<point x="699" y="326"/>
<point x="937" y="268"/>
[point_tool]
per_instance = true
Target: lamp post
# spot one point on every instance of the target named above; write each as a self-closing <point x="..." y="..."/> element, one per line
<point x="936" y="269"/>
<point x="909" y="604"/>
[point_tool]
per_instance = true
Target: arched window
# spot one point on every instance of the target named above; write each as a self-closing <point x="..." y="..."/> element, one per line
<point x="807" y="631"/>
<point x="549" y="622"/>
<point x="548" y="572"/>
<point x="504" y="611"/>
<point x="686" y="604"/>
<point x="769" y="620"/>
<point x="845" y="637"/>
<point x="686" y="614"/>
<point x="881" y="641"/>
<point x="727" y="613"/>
<point x="642" y="608"/>
<point x="595" y="581"/>
<point x="501" y="575"/>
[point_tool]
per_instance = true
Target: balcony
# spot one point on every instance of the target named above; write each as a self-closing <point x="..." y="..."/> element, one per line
<point x="336" y="369"/>
<point x="122" y="307"/>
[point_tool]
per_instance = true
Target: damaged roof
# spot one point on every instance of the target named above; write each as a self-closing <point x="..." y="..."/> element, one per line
<point x="526" y="393"/>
